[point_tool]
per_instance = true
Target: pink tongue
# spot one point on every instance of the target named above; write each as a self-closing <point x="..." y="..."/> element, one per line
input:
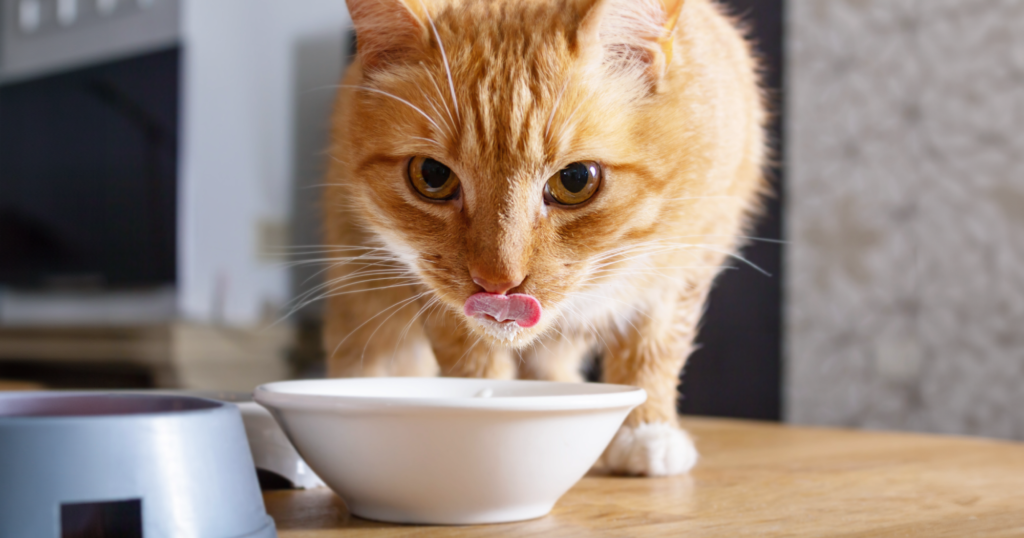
<point x="522" y="308"/>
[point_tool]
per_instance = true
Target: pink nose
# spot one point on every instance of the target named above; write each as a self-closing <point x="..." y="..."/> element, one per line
<point x="518" y="307"/>
<point x="494" y="287"/>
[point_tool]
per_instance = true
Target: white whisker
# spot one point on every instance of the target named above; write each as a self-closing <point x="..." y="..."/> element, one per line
<point x="435" y="142"/>
<point x="397" y="304"/>
<point x="444" y="57"/>
<point x="399" y="99"/>
<point x="405" y="331"/>
<point x="381" y="324"/>
<point x="554" y="109"/>
<point x="440" y="96"/>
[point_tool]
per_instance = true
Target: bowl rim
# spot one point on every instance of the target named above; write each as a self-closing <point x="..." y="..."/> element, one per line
<point x="206" y="406"/>
<point x="276" y="396"/>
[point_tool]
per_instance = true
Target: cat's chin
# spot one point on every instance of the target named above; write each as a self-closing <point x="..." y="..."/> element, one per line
<point x="504" y="332"/>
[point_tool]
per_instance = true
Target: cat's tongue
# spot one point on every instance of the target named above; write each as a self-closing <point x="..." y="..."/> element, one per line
<point x="518" y="307"/>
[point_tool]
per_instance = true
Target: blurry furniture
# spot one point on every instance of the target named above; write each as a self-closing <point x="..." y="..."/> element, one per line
<point x="195" y="356"/>
<point x="756" y="479"/>
<point x="145" y="194"/>
<point x="19" y="385"/>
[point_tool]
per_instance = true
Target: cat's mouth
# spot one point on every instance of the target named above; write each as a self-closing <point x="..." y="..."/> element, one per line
<point x="518" y="308"/>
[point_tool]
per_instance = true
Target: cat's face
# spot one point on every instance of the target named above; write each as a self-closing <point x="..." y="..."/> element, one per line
<point x="516" y="168"/>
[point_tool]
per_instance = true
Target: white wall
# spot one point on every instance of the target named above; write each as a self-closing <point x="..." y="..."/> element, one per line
<point x="243" y="101"/>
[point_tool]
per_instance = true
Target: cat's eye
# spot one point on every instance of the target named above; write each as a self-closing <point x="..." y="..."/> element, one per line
<point x="573" y="184"/>
<point x="433" y="179"/>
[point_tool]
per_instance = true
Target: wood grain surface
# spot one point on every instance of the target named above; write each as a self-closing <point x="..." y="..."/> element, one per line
<point x="756" y="479"/>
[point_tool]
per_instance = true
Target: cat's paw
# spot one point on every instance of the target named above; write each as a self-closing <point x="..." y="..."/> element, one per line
<point x="657" y="449"/>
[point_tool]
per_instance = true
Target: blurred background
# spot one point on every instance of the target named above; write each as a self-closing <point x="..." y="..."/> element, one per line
<point x="159" y="157"/>
<point x="155" y="164"/>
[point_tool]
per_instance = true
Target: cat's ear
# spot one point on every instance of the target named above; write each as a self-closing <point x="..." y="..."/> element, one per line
<point x="387" y="31"/>
<point x="635" y="35"/>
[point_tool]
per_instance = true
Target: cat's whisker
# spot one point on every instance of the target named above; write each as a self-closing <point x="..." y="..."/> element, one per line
<point x="464" y="353"/>
<point x="706" y="197"/>
<point x="590" y="325"/>
<point x="335" y="292"/>
<point x="362" y="266"/>
<point x="336" y="261"/>
<point x="540" y="341"/>
<point x="585" y="319"/>
<point x="398" y="304"/>
<point x="714" y="248"/>
<point x="331" y="293"/>
<point x="361" y="272"/>
<point x="652" y="270"/>
<point x="554" y="109"/>
<point x="433" y="106"/>
<point x="432" y="141"/>
<point x="332" y="248"/>
<point x="634" y="255"/>
<point x="367" y="253"/>
<point x="308" y="255"/>
<point x="735" y="236"/>
<point x="438" y="308"/>
<point x="659" y="246"/>
<point x="310" y="251"/>
<point x="336" y="159"/>
<point x="344" y="260"/>
<point x="341" y="279"/>
<point x="737" y="257"/>
<point x="642" y="249"/>
<point x="624" y="249"/>
<point x="391" y="315"/>
<point x="388" y="273"/>
<point x="440" y="96"/>
<point x="568" y="121"/>
<point x="598" y="277"/>
<point x="405" y="331"/>
<point x="322" y="185"/>
<point x="620" y="301"/>
<point x="444" y="56"/>
<point x="399" y="99"/>
<point x="603" y="276"/>
<point x="353" y="265"/>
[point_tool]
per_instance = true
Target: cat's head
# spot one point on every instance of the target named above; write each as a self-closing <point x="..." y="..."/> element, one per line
<point x="514" y="153"/>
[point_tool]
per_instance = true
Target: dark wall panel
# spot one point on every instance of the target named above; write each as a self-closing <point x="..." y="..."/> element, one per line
<point x="737" y="371"/>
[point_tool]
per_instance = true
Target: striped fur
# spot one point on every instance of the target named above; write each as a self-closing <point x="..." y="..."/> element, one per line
<point x="506" y="93"/>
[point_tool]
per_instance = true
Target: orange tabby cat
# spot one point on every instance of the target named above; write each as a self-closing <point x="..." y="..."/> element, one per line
<point x="518" y="182"/>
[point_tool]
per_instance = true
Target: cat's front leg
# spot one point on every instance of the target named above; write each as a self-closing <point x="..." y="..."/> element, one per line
<point x="461" y="353"/>
<point x="377" y="333"/>
<point x="650" y="354"/>
<point x="554" y="357"/>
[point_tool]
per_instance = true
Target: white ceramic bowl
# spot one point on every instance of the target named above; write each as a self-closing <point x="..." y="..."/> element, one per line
<point x="449" y="451"/>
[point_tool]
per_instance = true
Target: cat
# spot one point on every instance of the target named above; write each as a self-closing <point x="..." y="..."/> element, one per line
<point x="516" y="184"/>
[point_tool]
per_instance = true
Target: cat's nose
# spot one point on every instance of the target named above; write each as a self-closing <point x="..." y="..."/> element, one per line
<point x="494" y="286"/>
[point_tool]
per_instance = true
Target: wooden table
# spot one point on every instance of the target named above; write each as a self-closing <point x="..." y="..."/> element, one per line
<point x="757" y="479"/>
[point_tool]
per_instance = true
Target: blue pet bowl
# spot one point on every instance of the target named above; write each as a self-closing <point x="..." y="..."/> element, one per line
<point x="127" y="465"/>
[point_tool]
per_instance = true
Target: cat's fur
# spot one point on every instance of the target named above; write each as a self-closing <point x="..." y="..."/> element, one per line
<point x="663" y="93"/>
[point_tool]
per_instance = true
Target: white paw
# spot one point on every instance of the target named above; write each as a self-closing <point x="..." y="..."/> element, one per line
<point x="657" y="449"/>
